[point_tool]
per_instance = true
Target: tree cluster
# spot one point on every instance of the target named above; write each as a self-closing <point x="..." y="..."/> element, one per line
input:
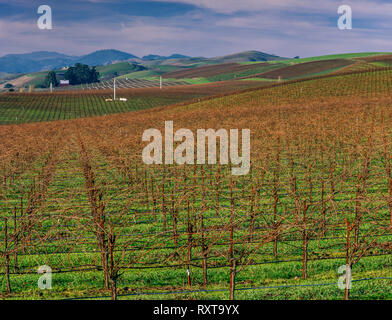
<point x="51" y="78"/>
<point x="81" y="73"/>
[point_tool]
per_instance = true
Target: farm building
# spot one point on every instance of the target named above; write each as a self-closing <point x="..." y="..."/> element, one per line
<point x="64" y="83"/>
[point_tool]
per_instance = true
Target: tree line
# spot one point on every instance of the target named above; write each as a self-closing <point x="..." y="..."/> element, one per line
<point x="78" y="74"/>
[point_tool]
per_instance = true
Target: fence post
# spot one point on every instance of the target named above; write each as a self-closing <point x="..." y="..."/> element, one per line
<point x="189" y="246"/>
<point x="7" y="256"/>
<point x="16" y="241"/>
<point x="233" y="272"/>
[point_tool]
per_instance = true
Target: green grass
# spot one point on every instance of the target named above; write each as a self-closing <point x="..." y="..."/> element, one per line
<point x="200" y="80"/>
<point x="337" y="56"/>
<point x="90" y="284"/>
<point x="145" y="74"/>
<point x="326" y="57"/>
<point x="153" y="70"/>
<point x="165" y="68"/>
<point x="382" y="64"/>
<point x="118" y="68"/>
<point x="68" y="185"/>
<point x="260" y="79"/>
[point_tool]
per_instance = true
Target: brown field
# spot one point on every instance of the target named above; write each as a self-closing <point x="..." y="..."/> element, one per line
<point x="209" y="71"/>
<point x="384" y="58"/>
<point x="306" y="68"/>
<point x="63" y="105"/>
<point x="202" y="89"/>
<point x="358" y="66"/>
<point x="18" y="82"/>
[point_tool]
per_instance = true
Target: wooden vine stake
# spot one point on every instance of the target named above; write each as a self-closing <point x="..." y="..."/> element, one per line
<point x="232" y="261"/>
<point x="349" y="228"/>
<point x="7" y="256"/>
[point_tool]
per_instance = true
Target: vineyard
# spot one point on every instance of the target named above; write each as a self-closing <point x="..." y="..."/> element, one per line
<point x="306" y="69"/>
<point x="64" y="105"/>
<point x="225" y="71"/>
<point x="75" y="195"/>
<point x="123" y="84"/>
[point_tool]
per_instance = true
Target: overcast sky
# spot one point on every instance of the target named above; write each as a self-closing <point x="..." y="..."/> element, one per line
<point x="196" y="27"/>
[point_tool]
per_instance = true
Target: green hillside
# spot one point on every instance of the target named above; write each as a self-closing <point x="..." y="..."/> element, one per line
<point x="119" y="69"/>
<point x="330" y="57"/>
<point x="250" y="65"/>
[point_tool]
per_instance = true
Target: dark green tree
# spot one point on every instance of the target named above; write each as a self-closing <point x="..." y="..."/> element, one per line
<point x="51" y="78"/>
<point x="94" y="75"/>
<point x="81" y="73"/>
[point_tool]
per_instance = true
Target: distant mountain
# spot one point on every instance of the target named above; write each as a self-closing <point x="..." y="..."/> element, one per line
<point x="40" y="56"/>
<point x="247" y="56"/>
<point x="153" y="57"/>
<point x="33" y="62"/>
<point x="43" y="60"/>
<point x="104" y="57"/>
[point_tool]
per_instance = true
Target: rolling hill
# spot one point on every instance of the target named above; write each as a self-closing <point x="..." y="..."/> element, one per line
<point x="214" y="71"/>
<point x="247" y="56"/>
<point x="34" y="62"/>
<point x="105" y="57"/>
<point x="43" y="60"/>
<point x="119" y="69"/>
<point x="285" y="69"/>
<point x="154" y="57"/>
<point x="306" y="69"/>
<point x="241" y="57"/>
<point x="249" y="65"/>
